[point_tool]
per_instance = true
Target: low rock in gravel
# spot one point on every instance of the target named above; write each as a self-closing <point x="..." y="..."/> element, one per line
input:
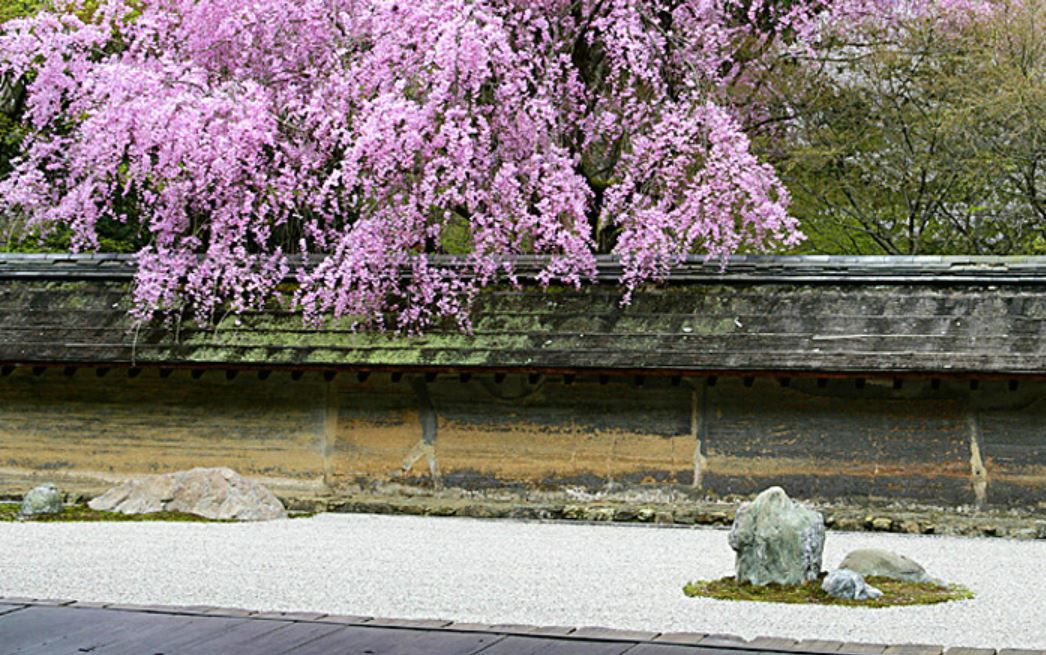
<point x="777" y="540"/>
<point x="848" y="585"/>
<point x="884" y="564"/>
<point x="214" y="493"/>
<point x="44" y="499"/>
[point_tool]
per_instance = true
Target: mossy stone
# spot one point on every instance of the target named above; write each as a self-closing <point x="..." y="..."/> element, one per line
<point x="45" y="499"/>
<point x="777" y="540"/>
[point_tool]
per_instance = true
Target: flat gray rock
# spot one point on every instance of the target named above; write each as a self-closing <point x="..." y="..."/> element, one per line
<point x="214" y="493"/>
<point x="848" y="585"/>
<point x="45" y="499"/>
<point x="777" y="540"/>
<point x="872" y="562"/>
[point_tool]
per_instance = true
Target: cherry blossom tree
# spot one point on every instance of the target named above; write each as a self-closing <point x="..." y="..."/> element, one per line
<point x="239" y="138"/>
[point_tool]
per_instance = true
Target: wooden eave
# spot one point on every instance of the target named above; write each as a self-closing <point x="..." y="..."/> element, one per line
<point x="980" y="317"/>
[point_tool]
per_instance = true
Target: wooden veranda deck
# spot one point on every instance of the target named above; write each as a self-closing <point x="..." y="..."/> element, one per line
<point x="64" y="627"/>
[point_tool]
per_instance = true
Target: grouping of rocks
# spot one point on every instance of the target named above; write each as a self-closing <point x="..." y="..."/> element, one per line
<point x="213" y="493"/>
<point x="778" y="540"/>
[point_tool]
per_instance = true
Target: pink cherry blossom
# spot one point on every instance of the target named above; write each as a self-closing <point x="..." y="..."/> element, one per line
<point x="246" y="138"/>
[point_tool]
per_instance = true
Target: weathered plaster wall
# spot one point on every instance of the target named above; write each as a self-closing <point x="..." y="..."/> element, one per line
<point x="544" y="434"/>
<point x="90" y="428"/>
<point x="834" y="438"/>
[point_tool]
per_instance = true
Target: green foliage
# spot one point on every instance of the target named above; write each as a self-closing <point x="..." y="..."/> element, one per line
<point x="113" y="237"/>
<point x="457" y="237"/>
<point x="17" y="8"/>
<point x="895" y="593"/>
<point x="11" y="134"/>
<point x="925" y="142"/>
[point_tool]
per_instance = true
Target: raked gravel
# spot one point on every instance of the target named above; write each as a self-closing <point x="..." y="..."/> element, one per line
<point x="618" y="576"/>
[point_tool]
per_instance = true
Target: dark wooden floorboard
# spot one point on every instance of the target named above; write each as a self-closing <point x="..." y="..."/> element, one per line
<point x="48" y="630"/>
<point x="391" y="641"/>
<point x="36" y="626"/>
<point x="114" y="632"/>
<point x="523" y="645"/>
<point x="179" y="635"/>
<point x="251" y="636"/>
<point x="289" y="638"/>
<point x="52" y="629"/>
<point x="678" y="649"/>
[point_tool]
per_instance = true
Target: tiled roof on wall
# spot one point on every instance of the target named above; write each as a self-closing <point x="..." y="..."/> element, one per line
<point x="786" y="315"/>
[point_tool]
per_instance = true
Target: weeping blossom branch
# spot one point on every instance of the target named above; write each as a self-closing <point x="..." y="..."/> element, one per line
<point x="240" y="136"/>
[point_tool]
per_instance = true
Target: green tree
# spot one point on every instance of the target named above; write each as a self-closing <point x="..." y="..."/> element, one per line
<point x="923" y="141"/>
<point x="17" y="8"/>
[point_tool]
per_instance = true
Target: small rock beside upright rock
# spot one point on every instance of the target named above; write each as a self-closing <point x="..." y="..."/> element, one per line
<point x="882" y="563"/>
<point x="847" y="585"/>
<point x="44" y="499"/>
<point x="777" y="540"/>
<point x="214" y="493"/>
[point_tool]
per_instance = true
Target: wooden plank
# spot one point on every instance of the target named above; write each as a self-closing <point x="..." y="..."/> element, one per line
<point x="290" y="616"/>
<point x="7" y="609"/>
<point x="349" y="619"/>
<point x="654" y="648"/>
<point x="97" y="635"/>
<point x="287" y="638"/>
<point x="407" y="623"/>
<point x="728" y="640"/>
<point x="521" y="628"/>
<point x="549" y="630"/>
<point x="914" y="649"/>
<point x="396" y="641"/>
<point x="687" y="638"/>
<point x="33" y="626"/>
<point x="87" y="630"/>
<point x="869" y="649"/>
<point x="525" y="645"/>
<point x="167" y="633"/>
<point x="608" y="633"/>
<point x="465" y="626"/>
<point x="772" y="643"/>
<point x="818" y="646"/>
<point x="253" y="636"/>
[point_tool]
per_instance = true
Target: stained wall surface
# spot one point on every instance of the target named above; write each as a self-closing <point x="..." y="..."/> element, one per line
<point x="103" y="429"/>
<point x="841" y="438"/>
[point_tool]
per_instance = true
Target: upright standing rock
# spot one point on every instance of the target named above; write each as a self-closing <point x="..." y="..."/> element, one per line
<point x="777" y="540"/>
<point x="44" y="499"/>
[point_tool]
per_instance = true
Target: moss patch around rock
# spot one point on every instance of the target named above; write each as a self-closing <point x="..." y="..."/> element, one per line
<point x="9" y="513"/>
<point x="895" y="593"/>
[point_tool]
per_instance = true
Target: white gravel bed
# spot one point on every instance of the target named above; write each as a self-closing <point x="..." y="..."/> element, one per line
<point x="616" y="576"/>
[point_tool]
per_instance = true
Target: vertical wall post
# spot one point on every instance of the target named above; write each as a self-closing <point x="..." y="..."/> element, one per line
<point x="330" y="432"/>
<point x="978" y="473"/>
<point x="699" y="431"/>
